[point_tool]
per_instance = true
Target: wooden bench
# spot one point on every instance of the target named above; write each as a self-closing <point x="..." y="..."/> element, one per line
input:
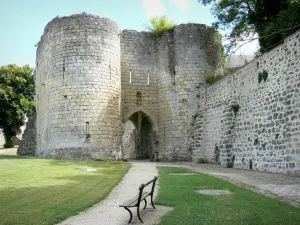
<point x="135" y="202"/>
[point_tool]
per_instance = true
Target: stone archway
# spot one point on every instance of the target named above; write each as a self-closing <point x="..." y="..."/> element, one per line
<point x="142" y="134"/>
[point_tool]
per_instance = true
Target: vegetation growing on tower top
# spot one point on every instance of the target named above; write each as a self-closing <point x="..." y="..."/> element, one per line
<point x="159" y="25"/>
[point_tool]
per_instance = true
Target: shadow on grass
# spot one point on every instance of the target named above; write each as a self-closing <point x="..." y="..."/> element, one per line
<point x="12" y="157"/>
<point x="51" y="204"/>
<point x="243" y="207"/>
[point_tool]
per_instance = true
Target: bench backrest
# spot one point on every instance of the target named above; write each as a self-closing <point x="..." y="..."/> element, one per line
<point x="141" y="188"/>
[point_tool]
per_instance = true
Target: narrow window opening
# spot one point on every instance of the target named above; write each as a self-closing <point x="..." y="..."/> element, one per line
<point x="64" y="69"/>
<point x="148" y="79"/>
<point x="110" y="71"/>
<point x="87" y="130"/>
<point x="174" y="78"/>
<point x="130" y="76"/>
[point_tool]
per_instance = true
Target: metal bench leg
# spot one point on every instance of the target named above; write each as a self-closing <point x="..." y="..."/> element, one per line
<point x="138" y="214"/>
<point x="129" y="213"/>
<point x="145" y="203"/>
<point x="152" y="201"/>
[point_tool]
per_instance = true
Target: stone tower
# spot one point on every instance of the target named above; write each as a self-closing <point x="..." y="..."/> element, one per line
<point x="91" y="79"/>
<point x="78" y="87"/>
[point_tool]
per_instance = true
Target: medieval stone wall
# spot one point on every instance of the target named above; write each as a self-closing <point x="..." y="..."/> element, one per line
<point x="79" y="89"/>
<point x="82" y="98"/>
<point x="139" y="55"/>
<point x="129" y="141"/>
<point x="265" y="132"/>
<point x="185" y="59"/>
<point x="27" y="144"/>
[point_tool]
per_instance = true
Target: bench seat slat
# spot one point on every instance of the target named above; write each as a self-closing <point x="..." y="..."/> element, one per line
<point x="133" y="202"/>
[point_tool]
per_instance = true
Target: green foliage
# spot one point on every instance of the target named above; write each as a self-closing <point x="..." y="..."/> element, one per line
<point x="17" y="90"/>
<point x="9" y="142"/>
<point x="262" y="76"/>
<point x="265" y="75"/>
<point x="272" y="20"/>
<point x="159" y="25"/>
<point x="230" y="164"/>
<point x="154" y="157"/>
<point x="213" y="79"/>
<point x="217" y="154"/>
<point x="202" y="161"/>
<point x="235" y="108"/>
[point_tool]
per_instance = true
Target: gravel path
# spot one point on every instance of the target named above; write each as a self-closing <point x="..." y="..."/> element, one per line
<point x="108" y="211"/>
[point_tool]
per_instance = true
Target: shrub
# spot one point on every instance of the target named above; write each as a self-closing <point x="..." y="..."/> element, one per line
<point x="217" y="154"/>
<point x="214" y="79"/>
<point x="265" y="75"/>
<point x="230" y="164"/>
<point x="159" y="25"/>
<point x="260" y="77"/>
<point x="9" y="142"/>
<point x="202" y="161"/>
<point x="235" y="108"/>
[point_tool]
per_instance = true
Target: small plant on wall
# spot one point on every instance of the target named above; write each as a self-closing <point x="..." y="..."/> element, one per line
<point x="265" y="75"/>
<point x="230" y="164"/>
<point x="159" y="25"/>
<point x="262" y="76"/>
<point x="217" y="154"/>
<point x="202" y="161"/>
<point x="235" y="108"/>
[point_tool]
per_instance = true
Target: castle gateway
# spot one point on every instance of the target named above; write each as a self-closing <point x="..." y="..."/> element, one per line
<point x="103" y="93"/>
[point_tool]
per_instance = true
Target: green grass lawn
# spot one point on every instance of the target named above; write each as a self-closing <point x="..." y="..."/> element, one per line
<point x="38" y="191"/>
<point x="241" y="208"/>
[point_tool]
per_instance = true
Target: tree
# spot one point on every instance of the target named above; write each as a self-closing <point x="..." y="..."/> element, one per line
<point x="272" y="20"/>
<point x="17" y="91"/>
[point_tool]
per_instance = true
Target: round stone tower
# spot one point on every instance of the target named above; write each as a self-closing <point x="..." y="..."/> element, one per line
<point x="78" y="86"/>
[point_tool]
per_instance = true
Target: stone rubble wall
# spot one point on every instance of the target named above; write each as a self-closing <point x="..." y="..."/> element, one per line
<point x="79" y="82"/>
<point x="266" y="129"/>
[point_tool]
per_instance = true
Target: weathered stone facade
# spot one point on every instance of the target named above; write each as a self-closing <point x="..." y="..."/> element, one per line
<point x="27" y="144"/>
<point x="265" y="133"/>
<point x="78" y="86"/>
<point x="92" y="78"/>
<point x="106" y="94"/>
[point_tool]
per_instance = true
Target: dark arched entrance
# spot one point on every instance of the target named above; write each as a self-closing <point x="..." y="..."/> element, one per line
<point x="143" y="135"/>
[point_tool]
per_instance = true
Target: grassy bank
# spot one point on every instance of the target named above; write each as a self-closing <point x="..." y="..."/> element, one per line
<point x="37" y="191"/>
<point x="241" y="208"/>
